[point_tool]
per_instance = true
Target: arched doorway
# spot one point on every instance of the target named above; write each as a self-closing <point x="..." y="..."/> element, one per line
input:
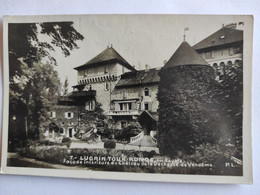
<point x="148" y="122"/>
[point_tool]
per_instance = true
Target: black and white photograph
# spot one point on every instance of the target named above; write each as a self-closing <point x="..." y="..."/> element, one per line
<point x="133" y="97"/>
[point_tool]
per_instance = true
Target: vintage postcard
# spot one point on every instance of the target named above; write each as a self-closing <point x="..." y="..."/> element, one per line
<point x="128" y="97"/>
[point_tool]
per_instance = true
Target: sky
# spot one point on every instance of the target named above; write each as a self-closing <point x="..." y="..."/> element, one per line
<point x="139" y="39"/>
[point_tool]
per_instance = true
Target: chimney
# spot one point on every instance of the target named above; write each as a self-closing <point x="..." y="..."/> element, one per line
<point x="146" y="68"/>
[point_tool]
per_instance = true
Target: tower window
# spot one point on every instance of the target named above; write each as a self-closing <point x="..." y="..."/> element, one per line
<point x="106" y="69"/>
<point x="85" y="73"/>
<point x="106" y="86"/>
<point x="146" y="91"/>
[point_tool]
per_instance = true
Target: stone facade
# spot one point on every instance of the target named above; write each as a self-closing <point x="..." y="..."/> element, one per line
<point x="65" y="118"/>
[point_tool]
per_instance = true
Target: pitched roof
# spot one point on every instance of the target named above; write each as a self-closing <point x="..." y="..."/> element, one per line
<point x="109" y="55"/>
<point x="221" y="37"/>
<point x="139" y="77"/>
<point x="185" y="55"/>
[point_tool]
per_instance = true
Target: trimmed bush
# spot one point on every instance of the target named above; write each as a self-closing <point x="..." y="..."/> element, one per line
<point x="66" y="139"/>
<point x="110" y="144"/>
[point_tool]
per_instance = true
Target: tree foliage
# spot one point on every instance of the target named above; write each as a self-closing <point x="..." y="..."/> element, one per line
<point x="33" y="82"/>
<point x="188" y="111"/>
<point x="231" y="97"/>
<point x="66" y="86"/>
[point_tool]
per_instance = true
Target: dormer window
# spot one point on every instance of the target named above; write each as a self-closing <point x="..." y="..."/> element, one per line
<point x="222" y="37"/>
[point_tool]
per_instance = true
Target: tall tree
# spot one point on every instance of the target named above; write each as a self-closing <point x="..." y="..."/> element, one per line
<point x="33" y="82"/>
<point x="66" y="86"/>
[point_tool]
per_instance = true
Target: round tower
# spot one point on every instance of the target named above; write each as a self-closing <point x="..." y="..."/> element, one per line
<point x="186" y="104"/>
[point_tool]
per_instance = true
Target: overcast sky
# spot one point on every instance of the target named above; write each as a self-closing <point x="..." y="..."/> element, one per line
<point x="140" y="39"/>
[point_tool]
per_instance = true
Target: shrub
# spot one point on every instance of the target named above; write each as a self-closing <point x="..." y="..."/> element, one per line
<point x="130" y="130"/>
<point x="66" y="140"/>
<point x="110" y="144"/>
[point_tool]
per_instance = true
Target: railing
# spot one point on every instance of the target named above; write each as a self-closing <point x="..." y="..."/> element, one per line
<point x="153" y="139"/>
<point x="123" y="112"/>
<point x="137" y="137"/>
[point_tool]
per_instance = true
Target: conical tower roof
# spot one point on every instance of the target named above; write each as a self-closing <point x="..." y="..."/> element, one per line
<point x="185" y="55"/>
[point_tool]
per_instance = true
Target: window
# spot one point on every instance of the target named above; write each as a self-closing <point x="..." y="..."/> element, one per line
<point x="85" y="73"/>
<point x="125" y="106"/>
<point x="231" y="51"/>
<point x="106" y="69"/>
<point x="123" y="124"/>
<point x="146" y="91"/>
<point x="121" y="106"/>
<point x="146" y="106"/>
<point x="90" y="105"/>
<point x="106" y="86"/>
<point x="61" y="130"/>
<point x="129" y="106"/>
<point x="209" y="55"/>
<point x="237" y="50"/>
<point x="69" y="115"/>
<point x="53" y="114"/>
<point x="125" y="94"/>
<point x="90" y="87"/>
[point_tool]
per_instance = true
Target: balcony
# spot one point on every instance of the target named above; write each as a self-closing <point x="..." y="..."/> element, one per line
<point x="83" y="94"/>
<point x="124" y="112"/>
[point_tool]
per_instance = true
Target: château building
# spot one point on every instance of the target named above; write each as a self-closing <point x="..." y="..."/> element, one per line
<point x="127" y="94"/>
<point x="222" y="48"/>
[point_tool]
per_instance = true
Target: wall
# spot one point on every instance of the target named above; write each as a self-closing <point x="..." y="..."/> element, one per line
<point x="62" y="121"/>
<point x="103" y="95"/>
<point x="138" y="93"/>
<point x="223" y="55"/>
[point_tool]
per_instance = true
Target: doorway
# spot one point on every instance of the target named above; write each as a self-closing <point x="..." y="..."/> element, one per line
<point x="70" y="132"/>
